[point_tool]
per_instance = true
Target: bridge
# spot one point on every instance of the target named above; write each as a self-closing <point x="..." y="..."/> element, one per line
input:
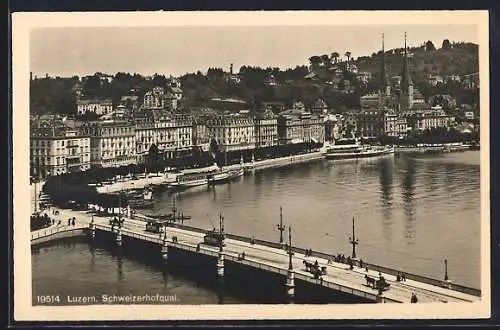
<point x="282" y="259"/>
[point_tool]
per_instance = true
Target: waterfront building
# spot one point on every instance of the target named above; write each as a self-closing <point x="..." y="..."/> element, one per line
<point x="112" y="143"/>
<point x="232" y="132"/>
<point x="201" y="137"/>
<point x="57" y="148"/>
<point x="370" y="123"/>
<point x="266" y="129"/>
<point x="171" y="134"/>
<point x="394" y="125"/>
<point x="431" y="119"/>
<point x="351" y="123"/>
<point x="298" y="126"/>
<point x="97" y="106"/>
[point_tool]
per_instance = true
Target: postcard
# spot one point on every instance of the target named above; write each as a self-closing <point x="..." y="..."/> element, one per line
<point x="251" y="165"/>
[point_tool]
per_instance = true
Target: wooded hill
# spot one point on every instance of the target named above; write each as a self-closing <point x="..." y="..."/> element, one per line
<point x="256" y="85"/>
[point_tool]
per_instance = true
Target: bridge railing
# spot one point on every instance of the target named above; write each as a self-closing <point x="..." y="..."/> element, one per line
<point x="53" y="230"/>
<point x="386" y="270"/>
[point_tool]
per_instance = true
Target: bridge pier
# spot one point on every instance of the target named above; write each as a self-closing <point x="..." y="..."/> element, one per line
<point x="164" y="249"/>
<point x="220" y="264"/>
<point x="119" y="237"/>
<point x="92" y="228"/>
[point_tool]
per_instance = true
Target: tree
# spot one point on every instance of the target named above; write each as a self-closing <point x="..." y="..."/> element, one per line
<point x="315" y="61"/>
<point x="348" y="55"/>
<point x="335" y="57"/>
<point x="429" y="46"/>
<point x="159" y="80"/>
<point x="446" y="44"/>
<point x="92" y="85"/>
<point x="325" y="60"/>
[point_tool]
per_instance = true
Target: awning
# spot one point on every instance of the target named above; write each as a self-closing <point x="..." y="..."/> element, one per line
<point x="314" y="140"/>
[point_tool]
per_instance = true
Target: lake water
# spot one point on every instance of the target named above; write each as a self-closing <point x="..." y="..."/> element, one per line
<point x="411" y="212"/>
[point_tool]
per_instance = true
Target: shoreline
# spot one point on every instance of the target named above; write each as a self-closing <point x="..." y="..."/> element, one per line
<point x="165" y="178"/>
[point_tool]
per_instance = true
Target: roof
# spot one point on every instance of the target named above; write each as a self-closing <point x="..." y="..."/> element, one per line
<point x="94" y="101"/>
<point x="176" y="90"/>
<point x="310" y="75"/>
<point x="132" y="98"/>
<point x="320" y="104"/>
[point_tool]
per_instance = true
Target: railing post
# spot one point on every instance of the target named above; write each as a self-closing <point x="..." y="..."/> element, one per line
<point x="164" y="249"/>
<point x="92" y="228"/>
<point x="220" y="264"/>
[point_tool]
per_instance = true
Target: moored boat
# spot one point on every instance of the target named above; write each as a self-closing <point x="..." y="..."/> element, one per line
<point x="352" y="149"/>
<point x="189" y="180"/>
<point x="225" y="176"/>
<point x="143" y="200"/>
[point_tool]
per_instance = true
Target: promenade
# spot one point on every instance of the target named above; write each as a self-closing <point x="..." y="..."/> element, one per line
<point x="339" y="277"/>
<point x="154" y="179"/>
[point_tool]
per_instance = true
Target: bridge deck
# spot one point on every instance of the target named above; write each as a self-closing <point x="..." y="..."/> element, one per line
<point x="338" y="277"/>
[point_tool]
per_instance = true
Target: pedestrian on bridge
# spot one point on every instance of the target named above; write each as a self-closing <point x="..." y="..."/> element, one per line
<point x="73" y="221"/>
<point x="69" y="221"/>
<point x="414" y="298"/>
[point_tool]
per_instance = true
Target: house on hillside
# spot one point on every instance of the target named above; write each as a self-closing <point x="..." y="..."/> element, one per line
<point x="364" y="76"/>
<point x="319" y="106"/>
<point x="131" y="102"/>
<point x="97" y="106"/>
<point x="435" y="80"/>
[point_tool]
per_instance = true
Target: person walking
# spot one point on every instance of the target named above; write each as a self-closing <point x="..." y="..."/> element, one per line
<point x="73" y="221"/>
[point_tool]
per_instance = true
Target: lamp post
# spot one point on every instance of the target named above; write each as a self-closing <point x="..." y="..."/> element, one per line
<point x="353" y="240"/>
<point x="280" y="226"/>
<point x="221" y="231"/>
<point x="446" y="270"/>
<point x="290" y="252"/>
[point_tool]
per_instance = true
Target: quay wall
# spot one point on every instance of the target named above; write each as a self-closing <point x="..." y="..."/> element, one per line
<point x="280" y="162"/>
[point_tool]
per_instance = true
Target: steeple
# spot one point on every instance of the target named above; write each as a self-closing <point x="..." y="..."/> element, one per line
<point x="405" y="74"/>
<point x="384" y="80"/>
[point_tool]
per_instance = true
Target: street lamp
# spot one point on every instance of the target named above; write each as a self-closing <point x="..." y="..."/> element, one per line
<point x="280" y="226"/>
<point x="290" y="252"/>
<point x="353" y="240"/>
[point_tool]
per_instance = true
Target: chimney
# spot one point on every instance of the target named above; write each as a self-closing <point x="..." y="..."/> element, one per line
<point x="231" y="69"/>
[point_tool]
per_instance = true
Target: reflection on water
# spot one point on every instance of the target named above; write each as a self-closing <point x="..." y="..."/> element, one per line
<point x="411" y="213"/>
<point x="386" y="172"/>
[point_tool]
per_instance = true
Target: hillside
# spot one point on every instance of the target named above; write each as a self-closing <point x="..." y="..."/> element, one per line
<point x="460" y="59"/>
<point x="328" y="77"/>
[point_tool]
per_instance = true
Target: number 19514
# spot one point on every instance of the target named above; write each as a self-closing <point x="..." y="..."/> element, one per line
<point x="48" y="299"/>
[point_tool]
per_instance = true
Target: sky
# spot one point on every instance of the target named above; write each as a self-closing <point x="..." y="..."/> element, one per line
<point x="176" y="50"/>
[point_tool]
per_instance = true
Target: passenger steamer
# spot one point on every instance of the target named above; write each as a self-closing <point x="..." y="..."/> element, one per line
<point x="350" y="148"/>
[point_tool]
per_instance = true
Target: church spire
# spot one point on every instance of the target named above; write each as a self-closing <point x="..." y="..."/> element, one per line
<point x="383" y="71"/>
<point x="405" y="75"/>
